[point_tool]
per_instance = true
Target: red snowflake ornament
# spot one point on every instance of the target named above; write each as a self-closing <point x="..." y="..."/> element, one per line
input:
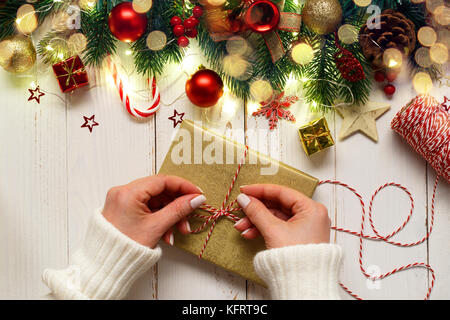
<point x="275" y="109"/>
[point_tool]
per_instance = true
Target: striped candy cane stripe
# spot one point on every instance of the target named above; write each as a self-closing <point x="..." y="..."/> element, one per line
<point x="132" y="110"/>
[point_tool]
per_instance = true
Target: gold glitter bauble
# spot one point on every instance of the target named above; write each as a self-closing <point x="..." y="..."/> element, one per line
<point x="322" y="16"/>
<point x="17" y="54"/>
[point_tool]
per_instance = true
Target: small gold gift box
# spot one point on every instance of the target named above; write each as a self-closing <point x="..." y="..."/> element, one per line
<point x="315" y="136"/>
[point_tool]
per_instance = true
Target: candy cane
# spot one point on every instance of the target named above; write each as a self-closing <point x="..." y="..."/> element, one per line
<point x="134" y="111"/>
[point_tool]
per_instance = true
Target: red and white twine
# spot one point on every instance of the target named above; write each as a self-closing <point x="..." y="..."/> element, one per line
<point x="425" y="125"/>
<point x="124" y="97"/>
<point x="386" y="238"/>
<point x="224" y="211"/>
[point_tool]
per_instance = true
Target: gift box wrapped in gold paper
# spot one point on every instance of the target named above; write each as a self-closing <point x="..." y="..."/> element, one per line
<point x="315" y="136"/>
<point x="211" y="162"/>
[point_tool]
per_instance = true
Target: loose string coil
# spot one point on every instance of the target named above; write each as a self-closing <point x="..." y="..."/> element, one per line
<point x="425" y="125"/>
<point x="386" y="238"/>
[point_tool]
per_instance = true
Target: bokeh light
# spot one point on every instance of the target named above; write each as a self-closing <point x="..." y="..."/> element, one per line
<point x="433" y="4"/>
<point x="302" y="53"/>
<point x="362" y="3"/>
<point x="422" y="83"/>
<point x="87" y="4"/>
<point x="142" y="6"/>
<point x="348" y="34"/>
<point x="426" y="36"/>
<point x="442" y="15"/>
<point x="77" y="43"/>
<point x="444" y="36"/>
<point x="439" y="53"/>
<point x="237" y="67"/>
<point x="216" y="2"/>
<point x="156" y="40"/>
<point x="261" y="90"/>
<point x="392" y="58"/>
<point x="26" y="19"/>
<point x="422" y="57"/>
<point x="237" y="46"/>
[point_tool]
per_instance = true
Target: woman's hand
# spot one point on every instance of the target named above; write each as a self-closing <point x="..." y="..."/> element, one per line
<point x="283" y="216"/>
<point x="146" y="209"/>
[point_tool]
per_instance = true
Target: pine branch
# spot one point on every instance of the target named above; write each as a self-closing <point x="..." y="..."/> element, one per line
<point x="94" y="25"/>
<point x="53" y="47"/>
<point x="150" y="62"/>
<point x="8" y="18"/>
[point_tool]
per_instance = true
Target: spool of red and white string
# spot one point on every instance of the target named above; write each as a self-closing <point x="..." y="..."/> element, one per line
<point x="425" y="125"/>
<point x="137" y="112"/>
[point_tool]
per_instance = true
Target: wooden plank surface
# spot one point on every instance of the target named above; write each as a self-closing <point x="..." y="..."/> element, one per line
<point x="54" y="174"/>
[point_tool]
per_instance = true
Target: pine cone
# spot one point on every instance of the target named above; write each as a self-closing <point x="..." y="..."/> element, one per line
<point x="395" y="31"/>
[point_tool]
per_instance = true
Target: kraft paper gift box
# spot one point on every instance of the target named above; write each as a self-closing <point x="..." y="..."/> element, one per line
<point x="210" y="162"/>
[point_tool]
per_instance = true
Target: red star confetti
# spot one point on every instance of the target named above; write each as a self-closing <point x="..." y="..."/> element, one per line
<point x="176" y="118"/>
<point x="36" y="94"/>
<point x="275" y="109"/>
<point x="89" y="123"/>
<point x="446" y="104"/>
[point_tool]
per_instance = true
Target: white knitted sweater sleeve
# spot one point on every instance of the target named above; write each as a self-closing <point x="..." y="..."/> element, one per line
<point x="301" y="272"/>
<point x="104" y="267"/>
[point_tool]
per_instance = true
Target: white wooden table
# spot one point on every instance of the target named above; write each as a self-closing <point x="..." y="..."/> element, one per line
<point x="53" y="174"/>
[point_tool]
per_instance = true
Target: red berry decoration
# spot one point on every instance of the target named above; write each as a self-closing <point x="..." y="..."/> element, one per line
<point x="379" y="76"/>
<point x="126" y="24"/>
<point x="204" y="88"/>
<point x="391" y="76"/>
<point x="192" y="33"/>
<point x="175" y="21"/>
<point x="183" y="41"/>
<point x="178" y="30"/>
<point x="195" y="20"/>
<point x="389" y="89"/>
<point x="197" y="11"/>
<point x="189" y="23"/>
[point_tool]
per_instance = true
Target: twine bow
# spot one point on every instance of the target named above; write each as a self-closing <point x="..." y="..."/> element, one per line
<point x="224" y="211"/>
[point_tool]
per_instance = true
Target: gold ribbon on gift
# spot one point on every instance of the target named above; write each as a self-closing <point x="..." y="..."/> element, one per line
<point x="70" y="72"/>
<point x="315" y="136"/>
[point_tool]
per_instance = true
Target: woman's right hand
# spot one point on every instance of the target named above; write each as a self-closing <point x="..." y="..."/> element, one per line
<point x="283" y="216"/>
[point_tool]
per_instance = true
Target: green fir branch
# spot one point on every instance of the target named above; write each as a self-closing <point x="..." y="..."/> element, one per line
<point x="94" y="25"/>
<point x="150" y="62"/>
<point x="53" y="47"/>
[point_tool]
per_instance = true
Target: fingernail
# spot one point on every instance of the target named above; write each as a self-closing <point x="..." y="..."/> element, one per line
<point x="245" y="231"/>
<point x="243" y="200"/>
<point x="197" y="201"/>
<point x="188" y="226"/>
<point x="200" y="189"/>
<point x="239" y="222"/>
<point x="242" y="186"/>
<point x="171" y="238"/>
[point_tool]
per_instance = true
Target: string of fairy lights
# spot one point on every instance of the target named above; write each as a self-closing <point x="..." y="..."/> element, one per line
<point x="434" y="40"/>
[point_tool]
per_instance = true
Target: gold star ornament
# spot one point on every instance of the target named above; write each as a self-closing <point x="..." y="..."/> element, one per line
<point x="361" y="118"/>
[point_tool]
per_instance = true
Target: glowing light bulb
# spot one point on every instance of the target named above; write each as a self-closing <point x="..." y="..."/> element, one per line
<point x="128" y="52"/>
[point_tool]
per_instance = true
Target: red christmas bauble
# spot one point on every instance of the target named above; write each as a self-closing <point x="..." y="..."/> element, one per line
<point x="262" y="16"/>
<point x="126" y="24"/>
<point x="389" y="89"/>
<point x="204" y="88"/>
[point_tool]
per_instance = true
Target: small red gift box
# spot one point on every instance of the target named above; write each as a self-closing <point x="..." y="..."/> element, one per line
<point x="71" y="74"/>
